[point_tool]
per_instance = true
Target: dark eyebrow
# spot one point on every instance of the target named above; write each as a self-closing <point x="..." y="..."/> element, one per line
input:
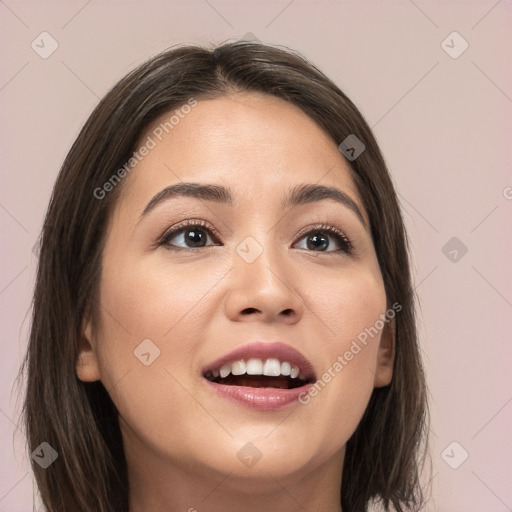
<point x="299" y="195"/>
<point x="216" y="193"/>
<point x="306" y="193"/>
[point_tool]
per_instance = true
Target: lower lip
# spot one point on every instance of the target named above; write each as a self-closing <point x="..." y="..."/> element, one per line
<point x="261" y="399"/>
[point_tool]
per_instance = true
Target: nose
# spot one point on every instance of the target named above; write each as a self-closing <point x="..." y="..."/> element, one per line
<point x="264" y="290"/>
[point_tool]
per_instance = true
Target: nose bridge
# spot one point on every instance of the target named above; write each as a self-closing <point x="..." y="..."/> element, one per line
<point x="257" y="260"/>
<point x="262" y="282"/>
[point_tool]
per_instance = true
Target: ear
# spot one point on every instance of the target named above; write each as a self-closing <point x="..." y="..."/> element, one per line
<point x="385" y="356"/>
<point x="87" y="367"/>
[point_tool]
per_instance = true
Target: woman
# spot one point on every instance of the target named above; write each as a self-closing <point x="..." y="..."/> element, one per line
<point x="223" y="315"/>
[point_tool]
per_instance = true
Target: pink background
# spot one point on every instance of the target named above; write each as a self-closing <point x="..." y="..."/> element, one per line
<point x="443" y="124"/>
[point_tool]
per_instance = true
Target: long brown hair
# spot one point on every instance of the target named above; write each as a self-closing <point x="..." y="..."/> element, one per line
<point x="383" y="457"/>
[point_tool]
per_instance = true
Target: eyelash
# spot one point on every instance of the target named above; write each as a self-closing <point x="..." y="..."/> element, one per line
<point x="341" y="238"/>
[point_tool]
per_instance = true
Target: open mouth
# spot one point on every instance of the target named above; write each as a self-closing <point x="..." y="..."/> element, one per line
<point x="258" y="373"/>
<point x="258" y="381"/>
<point x="261" y="376"/>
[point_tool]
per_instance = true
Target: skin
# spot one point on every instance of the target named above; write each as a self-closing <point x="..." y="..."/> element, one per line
<point x="181" y="440"/>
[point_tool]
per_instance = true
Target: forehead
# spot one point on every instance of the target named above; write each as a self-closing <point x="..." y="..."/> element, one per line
<point x="256" y="144"/>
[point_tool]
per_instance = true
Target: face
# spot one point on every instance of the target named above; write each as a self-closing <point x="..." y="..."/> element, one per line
<point x="197" y="283"/>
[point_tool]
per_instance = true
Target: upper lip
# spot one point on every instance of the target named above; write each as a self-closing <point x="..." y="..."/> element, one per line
<point x="263" y="350"/>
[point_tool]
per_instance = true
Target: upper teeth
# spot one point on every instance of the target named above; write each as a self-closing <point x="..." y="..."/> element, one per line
<point x="270" y="367"/>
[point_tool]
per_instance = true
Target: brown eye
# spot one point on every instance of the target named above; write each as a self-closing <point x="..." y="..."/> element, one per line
<point x="319" y="240"/>
<point x="193" y="235"/>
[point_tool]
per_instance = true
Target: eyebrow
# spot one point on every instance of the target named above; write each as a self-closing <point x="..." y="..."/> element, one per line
<point x="299" y="195"/>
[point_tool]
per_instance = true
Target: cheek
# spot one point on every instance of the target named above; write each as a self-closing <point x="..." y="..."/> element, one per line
<point x="346" y="305"/>
<point x="152" y="296"/>
<point x="154" y="299"/>
<point x="142" y="302"/>
<point x="169" y="306"/>
<point x="348" y="311"/>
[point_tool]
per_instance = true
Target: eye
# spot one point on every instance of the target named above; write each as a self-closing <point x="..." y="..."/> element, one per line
<point x="190" y="235"/>
<point x="194" y="234"/>
<point x="319" y="239"/>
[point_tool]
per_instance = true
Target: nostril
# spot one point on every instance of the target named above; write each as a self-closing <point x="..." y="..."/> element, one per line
<point x="250" y="310"/>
